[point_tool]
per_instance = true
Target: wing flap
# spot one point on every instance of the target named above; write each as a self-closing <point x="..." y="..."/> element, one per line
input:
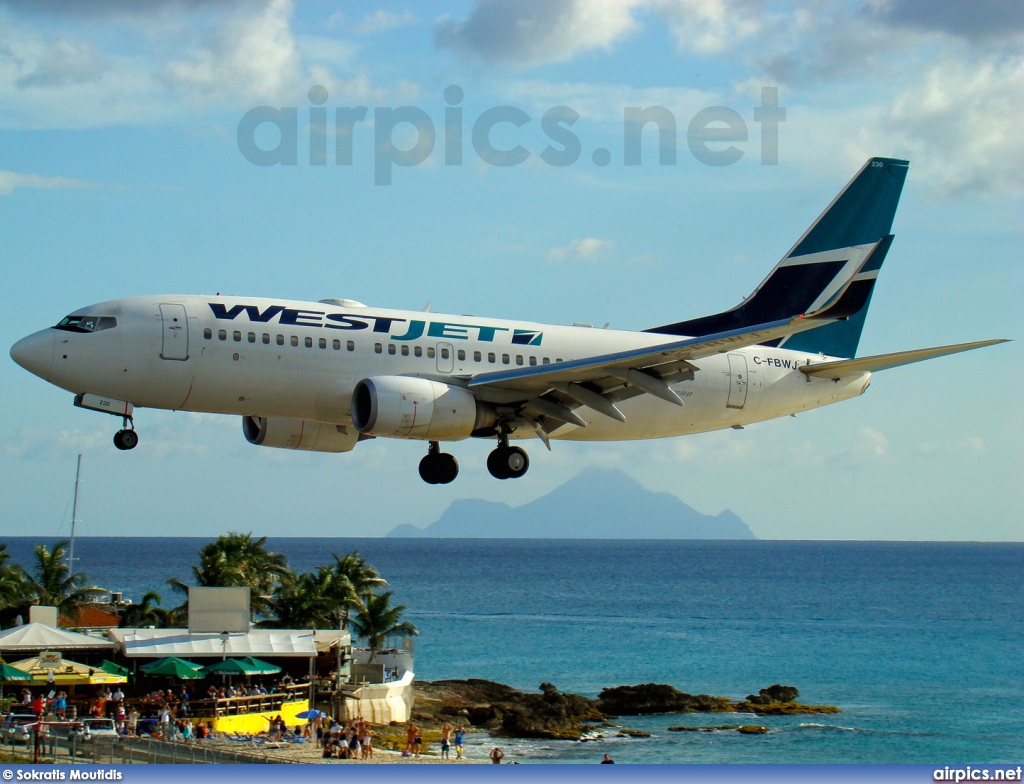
<point x="854" y="367"/>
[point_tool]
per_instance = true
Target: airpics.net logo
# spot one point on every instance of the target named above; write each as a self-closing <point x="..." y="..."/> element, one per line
<point x="968" y="773"/>
<point x="406" y="136"/>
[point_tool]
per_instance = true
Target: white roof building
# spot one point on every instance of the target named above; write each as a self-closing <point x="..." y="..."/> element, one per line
<point x="40" y="637"/>
<point x="261" y="643"/>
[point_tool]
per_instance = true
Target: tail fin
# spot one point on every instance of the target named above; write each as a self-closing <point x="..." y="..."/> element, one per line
<point x="855" y="225"/>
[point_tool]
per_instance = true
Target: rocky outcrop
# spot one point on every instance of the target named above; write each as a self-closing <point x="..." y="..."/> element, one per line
<point x="502" y="710"/>
<point x="657" y="698"/>
<point x="506" y="711"/>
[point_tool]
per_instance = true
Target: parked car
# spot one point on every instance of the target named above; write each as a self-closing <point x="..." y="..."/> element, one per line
<point x="87" y="729"/>
<point x="13" y="729"/>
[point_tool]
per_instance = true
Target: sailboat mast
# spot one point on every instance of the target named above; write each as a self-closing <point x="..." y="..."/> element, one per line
<point x="74" y="517"/>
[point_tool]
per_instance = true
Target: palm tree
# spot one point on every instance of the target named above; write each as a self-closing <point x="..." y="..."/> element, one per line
<point x="53" y="584"/>
<point x="304" y="601"/>
<point x="356" y="580"/>
<point x="238" y="560"/>
<point x="13" y="581"/>
<point x="148" y="612"/>
<point x="377" y="620"/>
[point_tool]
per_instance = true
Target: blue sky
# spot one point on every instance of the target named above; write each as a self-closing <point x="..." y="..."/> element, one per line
<point x="120" y="175"/>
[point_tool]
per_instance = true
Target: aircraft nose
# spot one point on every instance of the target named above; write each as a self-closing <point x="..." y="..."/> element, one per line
<point x="35" y="353"/>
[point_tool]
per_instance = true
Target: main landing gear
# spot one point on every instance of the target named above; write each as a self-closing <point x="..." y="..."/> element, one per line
<point x="126" y="438"/>
<point x="438" y="468"/>
<point x="507" y="462"/>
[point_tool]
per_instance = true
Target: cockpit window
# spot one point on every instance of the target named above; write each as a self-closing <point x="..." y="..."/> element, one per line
<point x="87" y="323"/>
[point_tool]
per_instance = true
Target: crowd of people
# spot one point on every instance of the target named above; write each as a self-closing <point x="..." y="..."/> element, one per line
<point x="351" y="741"/>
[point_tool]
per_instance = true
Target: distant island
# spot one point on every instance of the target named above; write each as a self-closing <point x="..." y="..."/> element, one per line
<point x="597" y="504"/>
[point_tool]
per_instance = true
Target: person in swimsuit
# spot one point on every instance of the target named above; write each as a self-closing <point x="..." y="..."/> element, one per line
<point x="446" y="731"/>
<point x="460" y="737"/>
<point x="497" y="756"/>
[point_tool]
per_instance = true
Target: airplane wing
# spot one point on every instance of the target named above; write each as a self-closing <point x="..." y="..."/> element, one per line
<point x="551" y="392"/>
<point x="544" y="396"/>
<point x="854" y="367"/>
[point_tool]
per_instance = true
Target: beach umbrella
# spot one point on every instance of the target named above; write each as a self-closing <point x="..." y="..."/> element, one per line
<point x="227" y="667"/>
<point x="259" y="667"/>
<point x="65" y="673"/>
<point x="310" y="714"/>
<point x="9" y="673"/>
<point x="173" y="667"/>
<point x="113" y="669"/>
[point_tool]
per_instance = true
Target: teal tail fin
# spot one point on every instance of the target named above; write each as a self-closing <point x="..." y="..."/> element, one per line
<point x="858" y="221"/>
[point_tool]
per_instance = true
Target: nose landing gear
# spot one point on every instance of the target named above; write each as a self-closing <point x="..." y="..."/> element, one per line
<point x="507" y="462"/>
<point x="126" y="438"/>
<point x="437" y="467"/>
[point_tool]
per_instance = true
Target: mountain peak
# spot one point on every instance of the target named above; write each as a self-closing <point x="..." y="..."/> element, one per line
<point x="598" y="503"/>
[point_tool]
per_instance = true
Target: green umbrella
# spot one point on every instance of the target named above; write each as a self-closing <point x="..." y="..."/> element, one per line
<point x="9" y="673"/>
<point x="227" y="667"/>
<point x="113" y="669"/>
<point x="174" y="667"/>
<point x="260" y="667"/>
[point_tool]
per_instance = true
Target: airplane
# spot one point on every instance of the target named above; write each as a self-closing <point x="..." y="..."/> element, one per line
<point x="323" y="376"/>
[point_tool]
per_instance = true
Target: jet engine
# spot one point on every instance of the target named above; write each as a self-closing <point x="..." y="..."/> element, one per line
<point x="407" y="407"/>
<point x="298" y="434"/>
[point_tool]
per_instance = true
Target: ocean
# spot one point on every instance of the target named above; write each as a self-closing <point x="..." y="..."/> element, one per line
<point x="920" y="644"/>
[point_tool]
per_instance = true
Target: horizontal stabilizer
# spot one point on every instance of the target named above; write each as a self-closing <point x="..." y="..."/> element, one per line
<point x="854" y="367"/>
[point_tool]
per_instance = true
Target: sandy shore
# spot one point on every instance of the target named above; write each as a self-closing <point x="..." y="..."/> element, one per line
<point x="307" y="753"/>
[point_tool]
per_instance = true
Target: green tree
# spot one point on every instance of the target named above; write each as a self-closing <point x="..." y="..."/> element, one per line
<point x="356" y="579"/>
<point x="13" y="581"/>
<point x="304" y="601"/>
<point x="52" y="582"/>
<point x="148" y="612"/>
<point x="377" y="620"/>
<point x="238" y="560"/>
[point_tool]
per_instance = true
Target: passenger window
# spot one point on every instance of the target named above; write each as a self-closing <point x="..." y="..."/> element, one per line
<point x="266" y="338"/>
<point x="237" y="336"/>
<point x="391" y="349"/>
<point x="280" y="340"/>
<point x="336" y="344"/>
<point x="533" y="361"/>
<point x="351" y="345"/>
<point x="505" y="359"/>
<point x="445" y="353"/>
<point x="252" y="337"/>
<point x="405" y="350"/>
<point x="430" y="351"/>
<point x="519" y="359"/>
<point x="545" y="361"/>
<point x="322" y="342"/>
<point x="222" y="334"/>
<point x="491" y="358"/>
<point x="417" y="350"/>
<point x="207" y="333"/>
<point x="295" y="340"/>
<point x="462" y="355"/>
<point x="378" y="348"/>
<point x="477" y="356"/>
<point x="559" y="359"/>
<point x="308" y="342"/>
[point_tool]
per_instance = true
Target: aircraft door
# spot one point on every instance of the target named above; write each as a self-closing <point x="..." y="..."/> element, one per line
<point x="445" y="358"/>
<point x="738" y="381"/>
<point x="175" y="332"/>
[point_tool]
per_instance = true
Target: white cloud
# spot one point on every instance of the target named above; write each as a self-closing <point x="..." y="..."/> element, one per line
<point x="251" y="55"/>
<point x="587" y="249"/>
<point x="384" y="20"/>
<point x="533" y="32"/>
<point x="11" y="180"/>
<point x="712" y="26"/>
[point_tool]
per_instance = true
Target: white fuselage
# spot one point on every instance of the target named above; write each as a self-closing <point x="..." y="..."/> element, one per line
<point x="302" y="360"/>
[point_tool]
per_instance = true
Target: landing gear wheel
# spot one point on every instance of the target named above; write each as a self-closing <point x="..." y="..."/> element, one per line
<point x="437" y="467"/>
<point x="508" y="462"/>
<point x="126" y="439"/>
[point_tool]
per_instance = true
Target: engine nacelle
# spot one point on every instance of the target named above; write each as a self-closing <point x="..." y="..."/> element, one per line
<point x="407" y="407"/>
<point x="298" y="434"/>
